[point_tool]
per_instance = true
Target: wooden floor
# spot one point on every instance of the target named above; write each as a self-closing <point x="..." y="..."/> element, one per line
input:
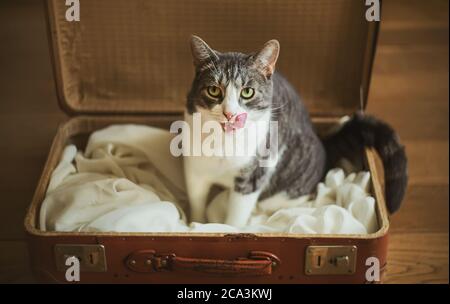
<point x="409" y="90"/>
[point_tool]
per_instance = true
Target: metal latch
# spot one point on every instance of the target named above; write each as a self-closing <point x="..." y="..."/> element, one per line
<point x="92" y="257"/>
<point x="328" y="260"/>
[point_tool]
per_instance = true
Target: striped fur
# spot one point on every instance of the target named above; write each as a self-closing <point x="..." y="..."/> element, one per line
<point x="303" y="157"/>
<point x="367" y="131"/>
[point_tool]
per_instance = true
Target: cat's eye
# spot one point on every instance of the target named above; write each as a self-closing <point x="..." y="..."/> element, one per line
<point x="214" y="91"/>
<point x="247" y="93"/>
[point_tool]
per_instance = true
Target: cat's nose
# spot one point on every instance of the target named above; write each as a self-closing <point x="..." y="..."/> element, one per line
<point x="228" y="115"/>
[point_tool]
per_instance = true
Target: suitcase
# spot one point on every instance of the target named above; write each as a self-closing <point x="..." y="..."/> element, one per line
<point x="129" y="62"/>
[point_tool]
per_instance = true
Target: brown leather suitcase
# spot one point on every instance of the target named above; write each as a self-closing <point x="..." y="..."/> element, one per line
<point x="129" y="62"/>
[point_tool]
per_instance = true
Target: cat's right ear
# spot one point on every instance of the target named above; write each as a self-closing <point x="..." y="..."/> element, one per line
<point x="201" y="52"/>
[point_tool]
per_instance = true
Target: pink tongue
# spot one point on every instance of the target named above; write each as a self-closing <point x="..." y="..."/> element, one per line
<point x="237" y="123"/>
<point x="228" y="127"/>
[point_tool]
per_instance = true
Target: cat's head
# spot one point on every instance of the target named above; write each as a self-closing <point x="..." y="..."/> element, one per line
<point x="232" y="88"/>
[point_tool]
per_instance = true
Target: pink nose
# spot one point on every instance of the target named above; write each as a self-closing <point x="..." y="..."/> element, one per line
<point x="228" y="115"/>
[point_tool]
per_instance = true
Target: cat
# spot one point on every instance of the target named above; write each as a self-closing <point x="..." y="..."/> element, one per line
<point x="235" y="90"/>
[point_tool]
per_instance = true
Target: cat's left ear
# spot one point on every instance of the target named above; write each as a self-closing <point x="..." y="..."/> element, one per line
<point x="266" y="59"/>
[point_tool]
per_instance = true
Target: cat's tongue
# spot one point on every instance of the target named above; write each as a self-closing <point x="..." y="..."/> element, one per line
<point x="237" y="122"/>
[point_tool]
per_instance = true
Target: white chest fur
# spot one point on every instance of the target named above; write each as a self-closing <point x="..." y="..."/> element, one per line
<point x="203" y="171"/>
<point x="236" y="151"/>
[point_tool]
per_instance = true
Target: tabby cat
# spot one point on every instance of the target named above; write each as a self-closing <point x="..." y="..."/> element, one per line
<point x="235" y="90"/>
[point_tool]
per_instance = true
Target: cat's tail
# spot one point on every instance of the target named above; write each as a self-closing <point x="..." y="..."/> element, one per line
<point x="367" y="131"/>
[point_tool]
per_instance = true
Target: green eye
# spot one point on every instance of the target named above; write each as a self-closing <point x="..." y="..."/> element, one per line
<point x="247" y="93"/>
<point x="214" y="91"/>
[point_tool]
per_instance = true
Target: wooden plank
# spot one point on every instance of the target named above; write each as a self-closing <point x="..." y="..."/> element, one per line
<point x="15" y="263"/>
<point x="415" y="119"/>
<point x="428" y="162"/>
<point x="414" y="14"/>
<point x="15" y="207"/>
<point x="409" y="90"/>
<point x="26" y="84"/>
<point x="32" y="133"/>
<point x="398" y="60"/>
<point x="409" y="86"/>
<point x="424" y="209"/>
<point x="417" y="258"/>
<point x="408" y="37"/>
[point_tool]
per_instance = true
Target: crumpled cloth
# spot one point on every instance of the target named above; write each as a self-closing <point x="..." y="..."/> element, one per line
<point x="127" y="180"/>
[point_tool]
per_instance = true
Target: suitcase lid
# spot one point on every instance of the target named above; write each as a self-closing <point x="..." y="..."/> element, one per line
<point x="134" y="56"/>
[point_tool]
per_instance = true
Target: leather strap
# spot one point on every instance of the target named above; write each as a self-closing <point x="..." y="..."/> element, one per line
<point x="257" y="263"/>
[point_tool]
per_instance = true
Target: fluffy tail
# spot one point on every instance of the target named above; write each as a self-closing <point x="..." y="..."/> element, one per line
<point x="363" y="130"/>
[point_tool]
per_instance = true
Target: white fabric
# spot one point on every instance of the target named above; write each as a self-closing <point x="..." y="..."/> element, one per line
<point x="127" y="181"/>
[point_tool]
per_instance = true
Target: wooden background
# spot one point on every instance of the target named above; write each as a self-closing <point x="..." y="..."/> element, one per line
<point x="409" y="90"/>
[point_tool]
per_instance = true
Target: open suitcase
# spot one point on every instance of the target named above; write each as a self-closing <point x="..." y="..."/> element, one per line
<point x="129" y="62"/>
